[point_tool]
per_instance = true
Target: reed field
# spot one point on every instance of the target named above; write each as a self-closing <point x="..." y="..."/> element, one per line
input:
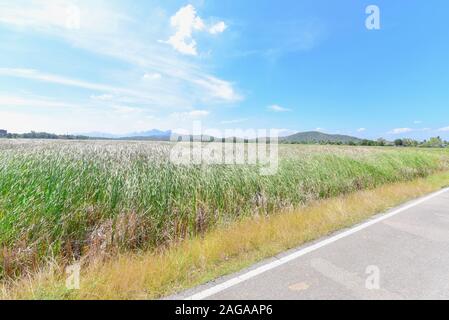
<point x="62" y="201"/>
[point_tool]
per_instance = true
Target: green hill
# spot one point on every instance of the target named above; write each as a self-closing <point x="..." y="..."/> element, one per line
<point x="316" y="137"/>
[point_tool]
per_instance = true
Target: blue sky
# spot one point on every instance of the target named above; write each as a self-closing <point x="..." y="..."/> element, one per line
<point x="123" y="66"/>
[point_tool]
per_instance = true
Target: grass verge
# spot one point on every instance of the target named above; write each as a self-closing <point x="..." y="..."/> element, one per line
<point x="63" y="201"/>
<point x="159" y="273"/>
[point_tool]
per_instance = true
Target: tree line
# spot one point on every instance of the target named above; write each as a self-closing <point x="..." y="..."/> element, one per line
<point x="44" y="135"/>
<point x="434" y="142"/>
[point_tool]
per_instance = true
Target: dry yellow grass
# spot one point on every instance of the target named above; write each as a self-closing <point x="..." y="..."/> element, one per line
<point x="157" y="274"/>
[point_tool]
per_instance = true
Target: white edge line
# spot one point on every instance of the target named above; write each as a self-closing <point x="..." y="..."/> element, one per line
<point x="271" y="265"/>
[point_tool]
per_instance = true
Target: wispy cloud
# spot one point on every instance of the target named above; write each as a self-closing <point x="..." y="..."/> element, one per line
<point x="217" y="88"/>
<point x="102" y="97"/>
<point x="46" y="77"/>
<point x="25" y="112"/>
<point x="445" y="129"/>
<point x="165" y="80"/>
<point x="408" y="130"/>
<point x="125" y="110"/>
<point x="218" y="28"/>
<point x="277" y="108"/>
<point x="291" y="36"/>
<point x="37" y="14"/>
<point x="142" y="96"/>
<point x="152" y="76"/>
<point x="234" y="121"/>
<point x="193" y="114"/>
<point x="400" y="130"/>
<point x="361" y="129"/>
<point x="73" y="121"/>
<point x="7" y="100"/>
<point x="198" y="113"/>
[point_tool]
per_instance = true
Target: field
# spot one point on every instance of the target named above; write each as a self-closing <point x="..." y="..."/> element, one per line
<point x="65" y="201"/>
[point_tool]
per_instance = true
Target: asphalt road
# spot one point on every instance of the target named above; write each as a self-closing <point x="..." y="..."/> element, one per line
<point x="403" y="254"/>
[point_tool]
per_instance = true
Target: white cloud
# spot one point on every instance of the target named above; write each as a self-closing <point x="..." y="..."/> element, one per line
<point x="400" y="130"/>
<point x="198" y="113"/>
<point x="113" y="91"/>
<point x="26" y="112"/>
<point x="124" y="110"/>
<point x="277" y="108"/>
<point x="102" y="97"/>
<point x="193" y="114"/>
<point x="61" y="15"/>
<point x="45" y="14"/>
<point x="186" y="21"/>
<point x="235" y="121"/>
<point x="152" y="76"/>
<point x="108" y="30"/>
<point x="33" y="102"/>
<point x="46" y="77"/>
<point x="445" y="129"/>
<point x="361" y="129"/>
<point x="18" y="122"/>
<point x="218" y="89"/>
<point x="77" y="122"/>
<point x="218" y="28"/>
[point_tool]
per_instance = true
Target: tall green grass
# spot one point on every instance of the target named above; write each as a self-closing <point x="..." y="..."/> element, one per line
<point x="66" y="200"/>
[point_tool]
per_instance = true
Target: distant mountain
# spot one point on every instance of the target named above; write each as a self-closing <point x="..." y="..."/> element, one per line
<point x="144" y="135"/>
<point x="158" y="135"/>
<point x="316" y="137"/>
<point x="150" y="133"/>
<point x="101" y="135"/>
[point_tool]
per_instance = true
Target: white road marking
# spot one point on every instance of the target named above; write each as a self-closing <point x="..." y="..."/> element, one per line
<point x="272" y="265"/>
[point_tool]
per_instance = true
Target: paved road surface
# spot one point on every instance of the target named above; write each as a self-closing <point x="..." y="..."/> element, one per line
<point x="401" y="255"/>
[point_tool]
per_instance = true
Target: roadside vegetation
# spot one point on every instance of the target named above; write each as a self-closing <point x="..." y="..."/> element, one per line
<point x="160" y="273"/>
<point x="97" y="202"/>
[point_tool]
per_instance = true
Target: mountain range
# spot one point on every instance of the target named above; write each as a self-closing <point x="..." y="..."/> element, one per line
<point x="300" y="137"/>
<point x="165" y="135"/>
